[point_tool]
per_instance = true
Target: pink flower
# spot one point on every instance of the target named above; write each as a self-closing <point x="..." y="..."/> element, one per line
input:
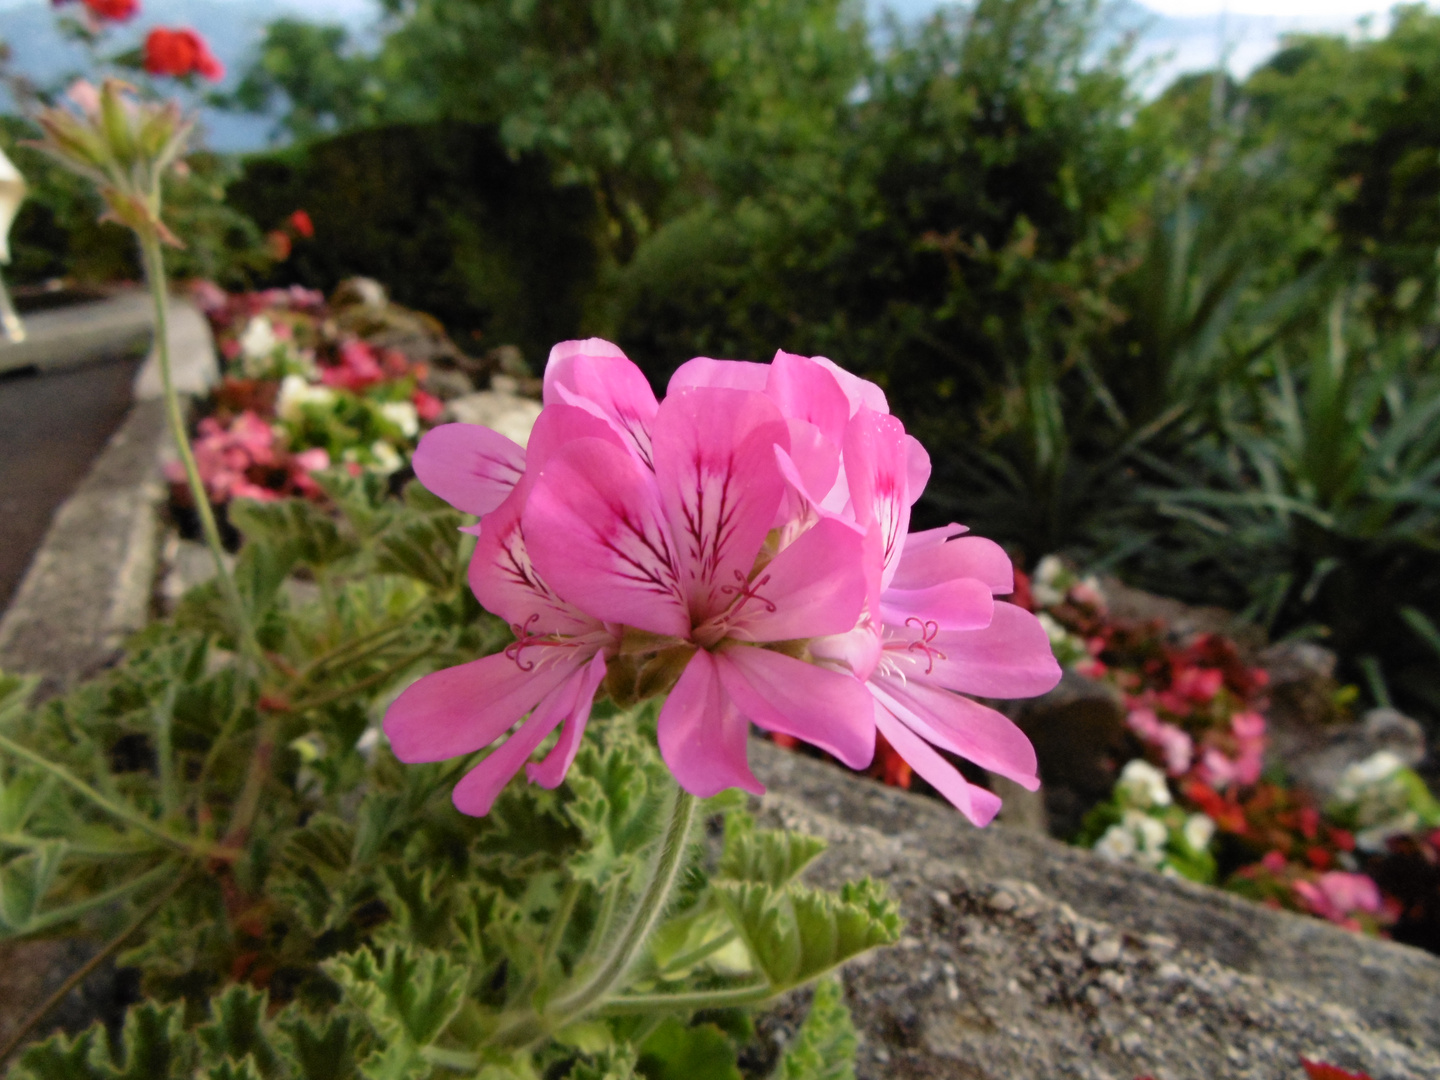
<point x="931" y="629"/>
<point x="358" y="368"/>
<point x="1174" y="744"/>
<point x="677" y="546"/>
<point x="427" y="406"/>
<point x="1338" y="896"/>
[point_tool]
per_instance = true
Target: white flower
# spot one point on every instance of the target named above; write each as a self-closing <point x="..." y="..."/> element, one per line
<point x="1142" y="785"/>
<point x="403" y="415"/>
<point x="1045" y="585"/>
<point x="1053" y="630"/>
<point x="1117" y="845"/>
<point x="387" y="460"/>
<point x="1150" y="833"/>
<point x="258" y="340"/>
<point x="296" y="394"/>
<point x="1359" y="779"/>
<point x="1199" y="831"/>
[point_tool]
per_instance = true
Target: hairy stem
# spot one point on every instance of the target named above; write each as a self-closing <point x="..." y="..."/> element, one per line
<point x="668" y="861"/>
<point x="154" y="262"/>
<point x="114" y="809"/>
<point x="691" y="1001"/>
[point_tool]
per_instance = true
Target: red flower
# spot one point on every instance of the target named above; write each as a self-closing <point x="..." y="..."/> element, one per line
<point x="179" y="53"/>
<point x="1318" y="1070"/>
<point x="427" y="406"/>
<point x="113" y="10"/>
<point x="279" y="244"/>
<point x="301" y="223"/>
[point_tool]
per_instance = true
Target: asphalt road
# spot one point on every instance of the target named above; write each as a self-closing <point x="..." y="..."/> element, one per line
<point x="52" y="426"/>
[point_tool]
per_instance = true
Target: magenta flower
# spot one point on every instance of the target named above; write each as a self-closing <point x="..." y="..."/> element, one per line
<point x="741" y="545"/>
<point x="932" y="629"/>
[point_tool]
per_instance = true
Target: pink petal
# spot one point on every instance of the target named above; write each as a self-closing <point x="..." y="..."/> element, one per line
<point x="805" y="390"/>
<point x="961" y="604"/>
<point x="596" y="533"/>
<point x="962" y="726"/>
<point x="702" y="735"/>
<point x="469" y="466"/>
<point x="826" y="708"/>
<point x="731" y="374"/>
<point x="877" y="470"/>
<point x="596" y="376"/>
<point x="816" y="586"/>
<point x="1010" y="658"/>
<point x="477" y="790"/>
<point x="560" y="365"/>
<point x="719" y="484"/>
<point x="559" y="425"/>
<point x="861" y="392"/>
<point x="460" y="709"/>
<point x="811" y="464"/>
<point x="917" y="467"/>
<point x="552" y="770"/>
<point x="506" y="583"/>
<point x="977" y="804"/>
<point x="928" y="559"/>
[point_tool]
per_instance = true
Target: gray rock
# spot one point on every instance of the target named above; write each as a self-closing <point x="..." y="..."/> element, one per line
<point x="1318" y="762"/>
<point x="89" y="584"/>
<point x="1044" y="961"/>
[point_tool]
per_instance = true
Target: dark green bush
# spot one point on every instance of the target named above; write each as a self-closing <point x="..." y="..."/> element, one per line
<point x="440" y="214"/>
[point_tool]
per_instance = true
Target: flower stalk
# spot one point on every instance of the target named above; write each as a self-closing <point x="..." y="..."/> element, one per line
<point x="154" y="263"/>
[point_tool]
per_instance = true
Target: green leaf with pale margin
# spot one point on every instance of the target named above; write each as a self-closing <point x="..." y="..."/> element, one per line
<point x="321" y="1051"/>
<point x="424" y="547"/>
<point x="24" y="881"/>
<point x="63" y="1058"/>
<point x="824" y="1047"/>
<point x="796" y="934"/>
<point x="234" y="1030"/>
<point x="675" y="1051"/>
<point x="771" y="856"/>
<point x="294" y="526"/>
<point x="410" y="997"/>
<point x="244" y="1069"/>
<point x="616" y="1064"/>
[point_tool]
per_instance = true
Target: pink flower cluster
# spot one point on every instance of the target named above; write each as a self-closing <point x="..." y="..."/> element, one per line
<point x="233" y="457"/>
<point x="741" y="546"/>
<point x="1339" y="896"/>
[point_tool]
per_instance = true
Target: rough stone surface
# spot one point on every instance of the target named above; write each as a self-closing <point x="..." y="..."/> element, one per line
<point x="79" y="333"/>
<point x="90" y="582"/>
<point x="193" y="364"/>
<point x="1025" y="958"/>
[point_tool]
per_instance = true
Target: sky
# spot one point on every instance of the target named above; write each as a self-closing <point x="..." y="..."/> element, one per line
<point x="1176" y="35"/>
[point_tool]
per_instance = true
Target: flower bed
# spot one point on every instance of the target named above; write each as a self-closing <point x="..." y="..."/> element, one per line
<point x="1198" y="801"/>
<point x="303" y="388"/>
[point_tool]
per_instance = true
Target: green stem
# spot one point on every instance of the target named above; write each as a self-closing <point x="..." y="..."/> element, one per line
<point x="688" y="1002"/>
<point x="155" y="276"/>
<point x="700" y="952"/>
<point x="668" y="861"/>
<point x="124" y="813"/>
<point x="55" y="916"/>
<point x="363" y="684"/>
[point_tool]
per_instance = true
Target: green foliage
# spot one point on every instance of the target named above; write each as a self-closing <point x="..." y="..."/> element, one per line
<point x="824" y="1047"/>
<point x="446" y="218"/>
<point x="344" y="920"/>
<point x="315" y="75"/>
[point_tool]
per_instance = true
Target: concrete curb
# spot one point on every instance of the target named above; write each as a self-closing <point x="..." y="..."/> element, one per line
<point x="79" y="334"/>
<point x="91" y="581"/>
